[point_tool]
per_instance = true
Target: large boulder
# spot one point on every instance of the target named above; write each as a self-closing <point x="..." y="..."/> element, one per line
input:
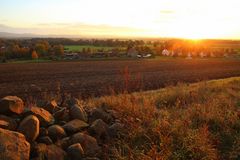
<point x="46" y="140"/>
<point x="75" y="151"/>
<point x="44" y="116"/>
<point x="48" y="152"/>
<point x="4" y="124"/>
<point x="51" y="106"/>
<point x="29" y="126"/>
<point x="13" y="146"/>
<point x="99" y="129"/>
<point x="64" y="143"/>
<point x="56" y="132"/>
<point x="78" y="112"/>
<point x="11" y="104"/>
<point x="43" y="132"/>
<point x="62" y="114"/>
<point x="74" y="126"/>
<point x="115" y="129"/>
<point x="73" y="101"/>
<point x="11" y="123"/>
<point x="55" y="152"/>
<point x="88" y="143"/>
<point x="100" y="113"/>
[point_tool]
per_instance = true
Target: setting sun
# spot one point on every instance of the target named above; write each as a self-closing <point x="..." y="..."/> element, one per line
<point x="196" y="19"/>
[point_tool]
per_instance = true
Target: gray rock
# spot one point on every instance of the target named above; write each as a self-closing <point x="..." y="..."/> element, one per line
<point x="75" y="151"/>
<point x="29" y="126"/>
<point x="73" y="101"/>
<point x="11" y="104"/>
<point x="4" y="124"/>
<point x="43" y="132"/>
<point x="78" y="112"/>
<point x="115" y="129"/>
<point x="10" y="123"/>
<point x="56" y="132"/>
<point x="99" y="113"/>
<point x="46" y="140"/>
<point x="49" y="152"/>
<point x="74" y="126"/>
<point x="99" y="129"/>
<point x="61" y="115"/>
<point x="13" y="146"/>
<point x="51" y="106"/>
<point x="64" y="143"/>
<point x="89" y="143"/>
<point x="44" y="116"/>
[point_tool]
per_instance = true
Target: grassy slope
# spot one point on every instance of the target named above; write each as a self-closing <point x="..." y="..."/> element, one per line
<point x="197" y="121"/>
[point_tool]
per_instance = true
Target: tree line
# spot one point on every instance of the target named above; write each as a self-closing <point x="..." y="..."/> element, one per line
<point x="27" y="49"/>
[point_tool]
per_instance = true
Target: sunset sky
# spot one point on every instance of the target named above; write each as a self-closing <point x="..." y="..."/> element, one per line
<point x="123" y="18"/>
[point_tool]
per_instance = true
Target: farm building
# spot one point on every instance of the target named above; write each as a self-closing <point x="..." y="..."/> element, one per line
<point x="165" y="52"/>
<point x="100" y="54"/>
<point x="132" y="52"/>
<point x="71" y="55"/>
<point x="189" y="56"/>
<point x="202" y="55"/>
<point x="179" y="54"/>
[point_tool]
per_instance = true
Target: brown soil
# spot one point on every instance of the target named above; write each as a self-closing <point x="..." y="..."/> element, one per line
<point x="96" y="78"/>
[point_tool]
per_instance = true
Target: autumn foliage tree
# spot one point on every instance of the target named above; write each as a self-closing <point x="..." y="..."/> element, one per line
<point x="58" y="50"/>
<point x="42" y="47"/>
<point x="34" y="55"/>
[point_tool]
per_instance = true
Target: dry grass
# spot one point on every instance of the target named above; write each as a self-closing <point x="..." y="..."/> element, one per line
<point x="198" y="121"/>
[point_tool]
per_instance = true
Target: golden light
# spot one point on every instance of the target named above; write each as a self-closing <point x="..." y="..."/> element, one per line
<point x="192" y="19"/>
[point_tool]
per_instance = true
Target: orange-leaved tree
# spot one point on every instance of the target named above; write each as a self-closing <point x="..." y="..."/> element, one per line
<point x="34" y="55"/>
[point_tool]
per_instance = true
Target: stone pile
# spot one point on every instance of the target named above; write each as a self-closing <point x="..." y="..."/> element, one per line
<point x="51" y="132"/>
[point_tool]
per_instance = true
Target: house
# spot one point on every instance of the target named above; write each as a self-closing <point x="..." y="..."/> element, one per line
<point x="71" y="55"/>
<point x="165" y="52"/>
<point x="99" y="54"/>
<point x="225" y="55"/>
<point x="2" y="48"/>
<point x="202" y="55"/>
<point x="179" y="54"/>
<point x="132" y="52"/>
<point x="189" y="56"/>
<point x="147" y="55"/>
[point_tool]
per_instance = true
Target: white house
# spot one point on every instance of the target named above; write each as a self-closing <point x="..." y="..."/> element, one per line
<point x="71" y="55"/>
<point x="189" y="56"/>
<point x="165" y="52"/>
<point x="202" y="55"/>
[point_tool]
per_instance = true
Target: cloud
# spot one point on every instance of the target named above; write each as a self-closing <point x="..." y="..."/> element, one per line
<point x="52" y="24"/>
<point x="167" y="12"/>
<point x="74" y="29"/>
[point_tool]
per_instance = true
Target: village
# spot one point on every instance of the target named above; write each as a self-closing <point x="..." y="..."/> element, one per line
<point x="66" y="49"/>
<point x="134" y="52"/>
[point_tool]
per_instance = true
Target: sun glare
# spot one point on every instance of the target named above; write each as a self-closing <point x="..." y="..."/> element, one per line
<point x="196" y="19"/>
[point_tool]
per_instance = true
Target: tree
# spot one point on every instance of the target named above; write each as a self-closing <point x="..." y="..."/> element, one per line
<point x="34" y="55"/>
<point x="84" y="50"/>
<point x="41" y="49"/>
<point x="58" y="50"/>
<point x="89" y="50"/>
